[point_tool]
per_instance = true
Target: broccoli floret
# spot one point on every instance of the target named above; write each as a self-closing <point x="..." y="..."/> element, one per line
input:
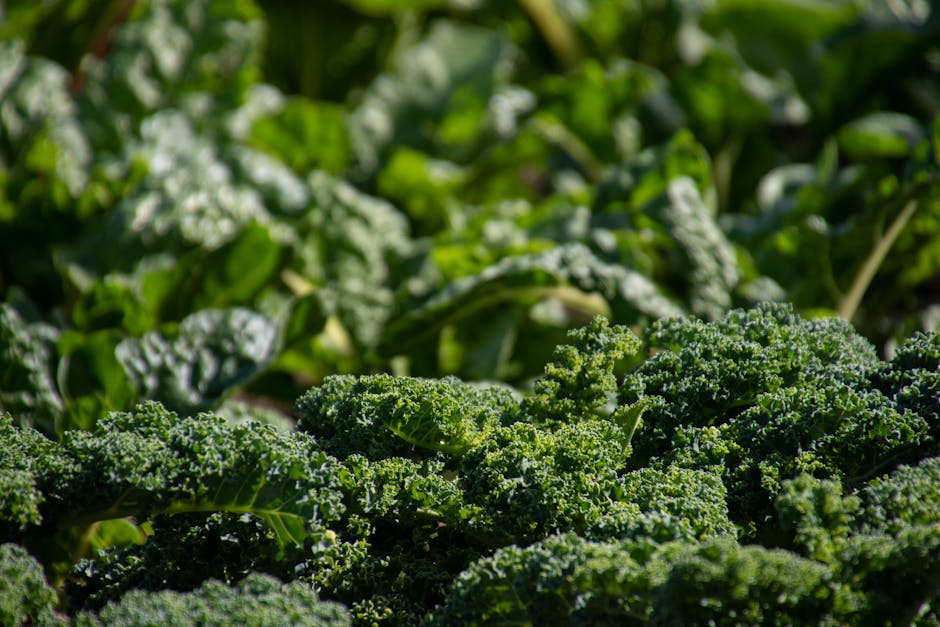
<point x="25" y="597"/>
<point x="259" y="600"/>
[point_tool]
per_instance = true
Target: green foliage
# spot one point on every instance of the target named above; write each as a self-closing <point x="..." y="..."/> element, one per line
<point x="211" y="352"/>
<point x="533" y="481"/>
<point x="454" y="63"/>
<point x="180" y="552"/>
<point x="56" y="381"/>
<point x="157" y="462"/>
<point x="440" y="224"/>
<point x="905" y="498"/>
<point x="409" y="499"/>
<point x="568" y="580"/>
<point x="764" y="396"/>
<point x="382" y="416"/>
<point x="423" y="192"/>
<point x="256" y="600"/>
<point x="896" y="574"/>
<point x="25" y="597"/>
<point x="816" y="514"/>
<point x="530" y="278"/>
<point x="912" y="378"/>
<point x="580" y="380"/>
<point x="710" y="373"/>
<point x="27" y="370"/>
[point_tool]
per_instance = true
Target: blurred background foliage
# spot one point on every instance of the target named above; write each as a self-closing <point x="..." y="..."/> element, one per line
<point x="211" y="202"/>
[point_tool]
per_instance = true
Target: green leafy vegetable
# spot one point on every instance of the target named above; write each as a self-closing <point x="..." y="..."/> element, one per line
<point x="552" y="281"/>
<point x="258" y="599"/>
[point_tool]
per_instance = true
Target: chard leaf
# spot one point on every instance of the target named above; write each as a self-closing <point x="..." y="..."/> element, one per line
<point x="306" y="135"/>
<point x="27" y="362"/>
<point x="187" y="198"/>
<point x="713" y="267"/>
<point x="353" y="242"/>
<point x="421" y="86"/>
<point x="44" y="153"/>
<point x="881" y="135"/>
<point x="192" y="367"/>
<point x="630" y="294"/>
<point x="168" y="54"/>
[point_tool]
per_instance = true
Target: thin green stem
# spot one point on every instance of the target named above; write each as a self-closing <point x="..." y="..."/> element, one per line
<point x="560" y="136"/>
<point x="557" y="33"/>
<point x="853" y="298"/>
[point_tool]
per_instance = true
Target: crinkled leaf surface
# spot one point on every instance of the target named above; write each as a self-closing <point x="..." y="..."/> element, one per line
<point x="190" y="369"/>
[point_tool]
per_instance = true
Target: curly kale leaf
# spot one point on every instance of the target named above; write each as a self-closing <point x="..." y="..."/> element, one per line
<point x="905" y="498"/>
<point x="581" y="379"/>
<point x="408" y="532"/>
<point x="834" y="430"/>
<point x="150" y="461"/>
<point x="383" y="416"/>
<point x="815" y="516"/>
<point x="396" y="587"/>
<point x="256" y="600"/>
<point x="25" y="597"/>
<point x="898" y="575"/>
<point x="912" y="378"/>
<point x="568" y="580"/>
<point x="721" y="581"/>
<point x="21" y="456"/>
<point x="707" y="373"/>
<point x="665" y="505"/>
<point x="531" y="481"/>
<point x="180" y="553"/>
<point x="831" y="431"/>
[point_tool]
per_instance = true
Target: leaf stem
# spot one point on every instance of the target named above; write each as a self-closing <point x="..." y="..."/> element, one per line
<point x="555" y="133"/>
<point x="556" y="32"/>
<point x="853" y="298"/>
